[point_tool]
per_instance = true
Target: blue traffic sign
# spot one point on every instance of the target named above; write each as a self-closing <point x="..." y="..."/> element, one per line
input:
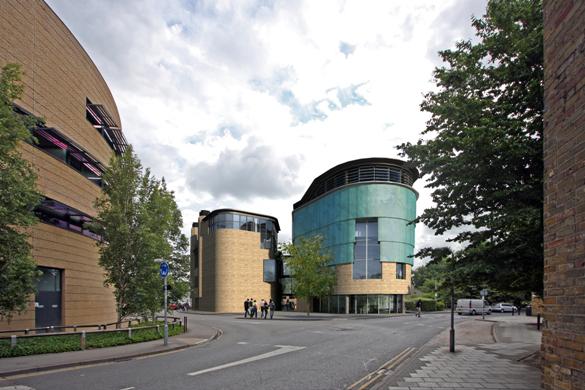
<point x="164" y="269"/>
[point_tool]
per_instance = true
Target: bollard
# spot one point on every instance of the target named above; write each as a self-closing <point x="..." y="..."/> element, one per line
<point x="130" y="333"/>
<point x="538" y="321"/>
<point x="82" y="340"/>
<point x="13" y="341"/>
<point x="185" y="324"/>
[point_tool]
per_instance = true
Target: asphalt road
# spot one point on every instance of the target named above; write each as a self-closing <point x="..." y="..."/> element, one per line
<point x="292" y="352"/>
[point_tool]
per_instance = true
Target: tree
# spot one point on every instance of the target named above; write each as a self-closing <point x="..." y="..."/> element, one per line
<point x="485" y="164"/>
<point x="313" y="277"/>
<point x="18" y="197"/>
<point x="138" y="221"/>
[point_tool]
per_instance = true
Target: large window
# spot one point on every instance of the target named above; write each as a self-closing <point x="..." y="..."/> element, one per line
<point x="264" y="226"/>
<point x="400" y="271"/>
<point x="366" y="262"/>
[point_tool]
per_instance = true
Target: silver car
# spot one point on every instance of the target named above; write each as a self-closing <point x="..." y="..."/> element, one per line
<point x="504" y="308"/>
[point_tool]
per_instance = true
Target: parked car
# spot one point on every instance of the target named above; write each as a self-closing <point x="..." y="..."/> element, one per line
<point x="504" y="308"/>
<point x="472" y="306"/>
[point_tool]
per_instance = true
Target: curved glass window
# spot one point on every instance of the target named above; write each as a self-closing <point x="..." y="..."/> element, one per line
<point x="231" y="220"/>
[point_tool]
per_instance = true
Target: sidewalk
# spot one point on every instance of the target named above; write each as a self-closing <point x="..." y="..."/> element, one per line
<point x="196" y="334"/>
<point x="498" y="353"/>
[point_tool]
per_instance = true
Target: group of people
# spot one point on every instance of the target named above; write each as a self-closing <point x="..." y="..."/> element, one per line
<point x="251" y="308"/>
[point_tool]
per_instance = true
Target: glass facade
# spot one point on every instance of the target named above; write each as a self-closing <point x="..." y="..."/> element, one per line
<point x="366" y="262"/>
<point x="232" y="220"/>
<point x="359" y="304"/>
<point x="334" y="216"/>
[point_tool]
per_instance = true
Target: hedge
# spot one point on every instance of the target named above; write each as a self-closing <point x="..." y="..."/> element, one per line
<point x="427" y="305"/>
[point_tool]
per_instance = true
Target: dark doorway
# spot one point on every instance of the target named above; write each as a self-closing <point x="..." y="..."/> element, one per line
<point x="48" y="298"/>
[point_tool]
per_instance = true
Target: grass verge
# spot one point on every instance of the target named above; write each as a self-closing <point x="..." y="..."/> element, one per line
<point x="64" y="343"/>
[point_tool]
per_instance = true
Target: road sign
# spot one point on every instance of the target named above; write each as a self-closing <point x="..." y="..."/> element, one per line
<point x="164" y="269"/>
<point x="484" y="293"/>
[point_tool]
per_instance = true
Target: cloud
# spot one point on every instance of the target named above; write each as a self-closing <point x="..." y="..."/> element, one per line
<point x="242" y="104"/>
<point x="254" y="171"/>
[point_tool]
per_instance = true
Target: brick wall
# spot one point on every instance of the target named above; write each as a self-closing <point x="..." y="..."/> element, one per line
<point x="563" y="341"/>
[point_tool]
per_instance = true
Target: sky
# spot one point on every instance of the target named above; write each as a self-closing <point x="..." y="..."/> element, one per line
<point x="241" y="104"/>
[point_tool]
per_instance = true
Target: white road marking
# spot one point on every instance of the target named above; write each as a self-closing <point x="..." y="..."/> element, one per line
<point x="282" y="349"/>
<point x="128" y="388"/>
<point x="242" y="342"/>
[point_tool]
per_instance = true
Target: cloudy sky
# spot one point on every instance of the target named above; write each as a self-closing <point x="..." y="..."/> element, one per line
<point x="242" y="104"/>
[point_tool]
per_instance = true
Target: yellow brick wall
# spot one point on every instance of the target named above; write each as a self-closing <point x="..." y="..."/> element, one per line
<point x="232" y="266"/>
<point x="346" y="285"/>
<point x="58" y="77"/>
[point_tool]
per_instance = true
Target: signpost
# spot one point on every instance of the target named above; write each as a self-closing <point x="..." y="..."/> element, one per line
<point x="164" y="272"/>
<point x="483" y="294"/>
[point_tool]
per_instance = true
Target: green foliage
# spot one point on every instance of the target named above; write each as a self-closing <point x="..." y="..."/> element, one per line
<point x="64" y="343"/>
<point x="428" y="304"/>
<point x="18" y="197"/>
<point x="313" y="277"/>
<point x="139" y="221"/>
<point x="482" y="151"/>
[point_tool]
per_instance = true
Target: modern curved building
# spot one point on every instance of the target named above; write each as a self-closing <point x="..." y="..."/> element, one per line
<point x="363" y="209"/>
<point x="232" y="258"/>
<point x="80" y="135"/>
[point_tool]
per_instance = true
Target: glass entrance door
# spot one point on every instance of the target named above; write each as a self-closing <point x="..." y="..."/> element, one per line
<point x="48" y="298"/>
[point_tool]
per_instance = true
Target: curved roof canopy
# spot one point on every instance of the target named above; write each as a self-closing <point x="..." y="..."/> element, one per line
<point x="374" y="169"/>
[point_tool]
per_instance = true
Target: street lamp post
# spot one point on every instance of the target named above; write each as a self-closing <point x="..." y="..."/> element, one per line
<point x="164" y="272"/>
<point x="452" y="330"/>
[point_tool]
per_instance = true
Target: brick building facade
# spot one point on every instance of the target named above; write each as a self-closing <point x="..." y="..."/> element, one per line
<point x="563" y="341"/>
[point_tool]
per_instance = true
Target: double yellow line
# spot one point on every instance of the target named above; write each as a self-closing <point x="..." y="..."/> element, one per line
<point x="372" y="377"/>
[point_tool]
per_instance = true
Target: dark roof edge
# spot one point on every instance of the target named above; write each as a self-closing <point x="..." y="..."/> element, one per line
<point x="356" y="163"/>
<point x="215" y="212"/>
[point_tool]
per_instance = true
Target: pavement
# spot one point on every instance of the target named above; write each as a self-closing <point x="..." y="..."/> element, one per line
<point x="500" y="352"/>
<point x="196" y="334"/>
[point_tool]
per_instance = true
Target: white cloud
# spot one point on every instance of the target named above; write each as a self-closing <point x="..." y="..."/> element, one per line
<point x="243" y="103"/>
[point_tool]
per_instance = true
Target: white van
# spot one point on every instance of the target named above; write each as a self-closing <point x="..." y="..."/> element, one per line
<point x="472" y="306"/>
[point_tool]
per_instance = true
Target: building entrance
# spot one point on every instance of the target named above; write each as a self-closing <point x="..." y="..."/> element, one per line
<point x="48" y="298"/>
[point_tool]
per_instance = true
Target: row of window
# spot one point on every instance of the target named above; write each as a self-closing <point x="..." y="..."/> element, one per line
<point x="266" y="227"/>
<point x="359" y="304"/>
<point x="59" y="214"/>
<point x="60" y="147"/>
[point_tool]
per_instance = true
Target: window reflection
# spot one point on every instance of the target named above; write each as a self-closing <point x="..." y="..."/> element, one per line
<point x="231" y="220"/>
<point x="366" y="264"/>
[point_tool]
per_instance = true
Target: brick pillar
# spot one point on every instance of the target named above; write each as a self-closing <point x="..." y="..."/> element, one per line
<point x="563" y="339"/>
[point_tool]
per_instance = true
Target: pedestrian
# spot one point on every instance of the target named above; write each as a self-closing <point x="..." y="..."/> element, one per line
<point x="272" y="307"/>
<point x="262" y="308"/>
<point x="246" y="305"/>
<point x="265" y="309"/>
<point x="287" y="304"/>
<point x="418" y="308"/>
<point x="255" y="310"/>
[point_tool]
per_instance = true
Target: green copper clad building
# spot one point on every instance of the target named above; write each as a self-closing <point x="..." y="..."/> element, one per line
<point x="362" y="209"/>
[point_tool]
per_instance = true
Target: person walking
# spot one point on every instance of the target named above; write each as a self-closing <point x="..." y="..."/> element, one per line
<point x="246" y="305"/>
<point x="255" y="310"/>
<point x="271" y="307"/>
<point x="265" y="308"/>
<point x="418" y="308"/>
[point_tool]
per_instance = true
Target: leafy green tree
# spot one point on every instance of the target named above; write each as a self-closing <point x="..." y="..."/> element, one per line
<point x="18" y="197"/>
<point x="482" y="148"/>
<point x="139" y="221"/>
<point x="313" y="277"/>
